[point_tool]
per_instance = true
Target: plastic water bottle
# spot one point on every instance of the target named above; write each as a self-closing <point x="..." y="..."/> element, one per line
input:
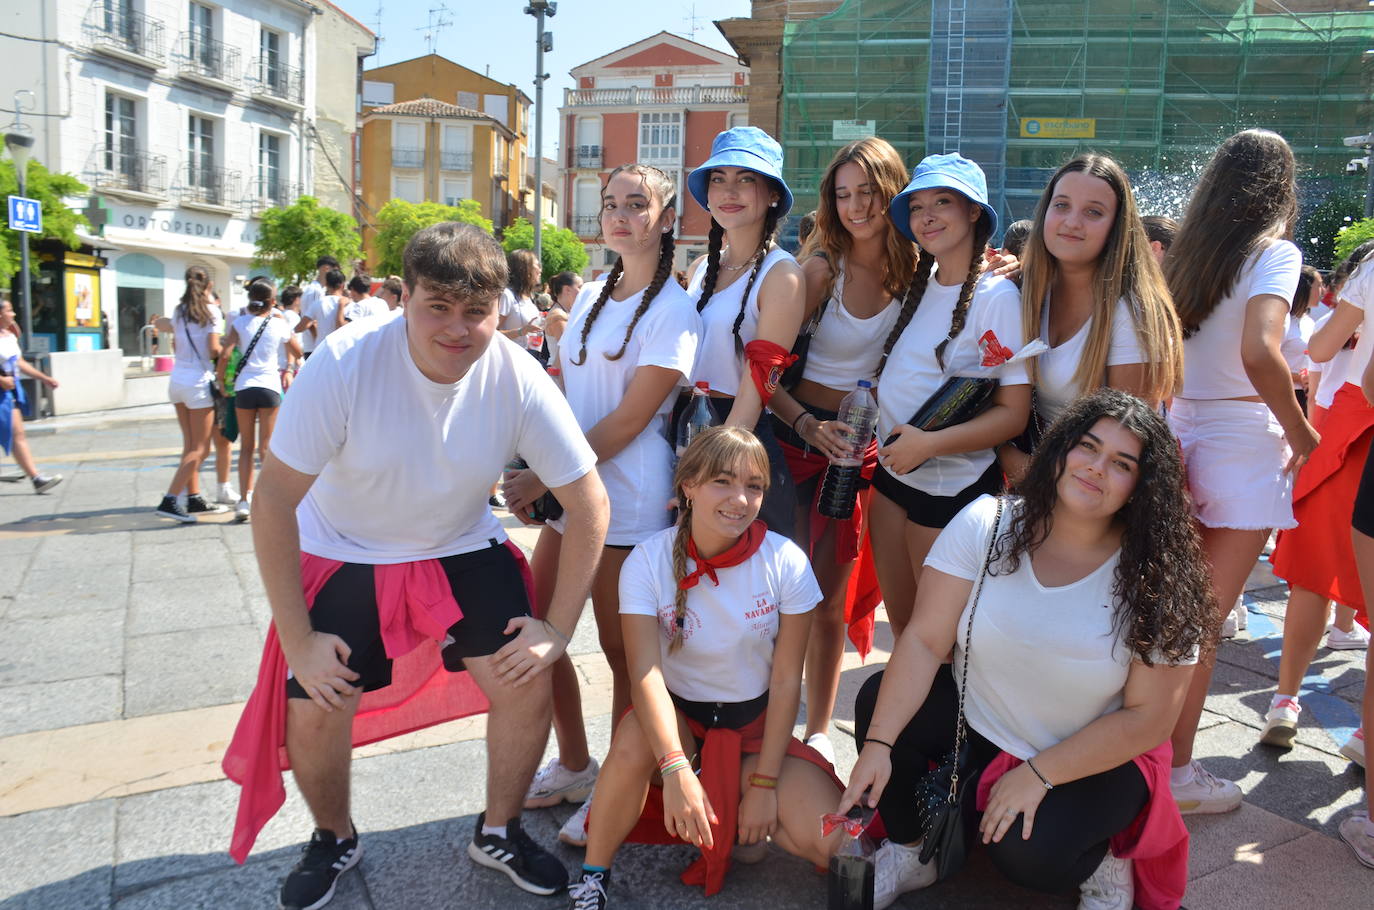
<point x="696" y="418"/>
<point x="841" y="485"/>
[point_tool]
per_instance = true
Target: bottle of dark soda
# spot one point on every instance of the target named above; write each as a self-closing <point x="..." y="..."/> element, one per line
<point x="849" y="879"/>
<point x="840" y="488"/>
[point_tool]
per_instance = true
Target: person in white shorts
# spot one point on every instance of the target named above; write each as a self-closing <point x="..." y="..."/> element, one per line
<point x="195" y="328"/>
<point x="1232" y="271"/>
<point x="445" y="405"/>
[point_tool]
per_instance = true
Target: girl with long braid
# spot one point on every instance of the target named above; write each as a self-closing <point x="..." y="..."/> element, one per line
<point x="856" y="267"/>
<point x="630" y="342"/>
<point x="750" y="294"/>
<point x="955" y="315"/>
<point x="716" y="613"/>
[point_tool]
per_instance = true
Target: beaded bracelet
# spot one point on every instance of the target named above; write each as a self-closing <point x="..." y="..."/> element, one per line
<point x="763" y="781"/>
<point x="672" y="763"/>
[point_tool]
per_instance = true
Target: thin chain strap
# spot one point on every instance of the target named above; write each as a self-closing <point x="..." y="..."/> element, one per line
<point x="960" y="728"/>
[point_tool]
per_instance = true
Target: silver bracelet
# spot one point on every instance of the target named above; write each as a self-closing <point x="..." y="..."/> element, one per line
<point x="1031" y="764"/>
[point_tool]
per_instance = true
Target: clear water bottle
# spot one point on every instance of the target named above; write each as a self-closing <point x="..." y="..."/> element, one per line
<point x="696" y="418"/>
<point x="840" y="488"/>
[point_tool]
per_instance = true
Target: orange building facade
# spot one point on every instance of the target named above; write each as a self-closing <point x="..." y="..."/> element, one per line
<point x="658" y="101"/>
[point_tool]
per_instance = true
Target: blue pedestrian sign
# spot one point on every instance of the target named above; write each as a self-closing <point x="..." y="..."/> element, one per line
<point x="26" y="214"/>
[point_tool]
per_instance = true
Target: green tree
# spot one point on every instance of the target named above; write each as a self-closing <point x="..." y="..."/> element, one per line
<point x="1352" y="235"/>
<point x="1320" y="224"/>
<point x="291" y="238"/>
<point x="561" y="251"/>
<point x="59" y="222"/>
<point x="398" y="221"/>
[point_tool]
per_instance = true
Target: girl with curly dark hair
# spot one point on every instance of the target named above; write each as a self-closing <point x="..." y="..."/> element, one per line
<point x="1075" y="658"/>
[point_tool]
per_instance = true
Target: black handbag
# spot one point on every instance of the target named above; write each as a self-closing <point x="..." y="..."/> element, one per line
<point x="943" y="794"/>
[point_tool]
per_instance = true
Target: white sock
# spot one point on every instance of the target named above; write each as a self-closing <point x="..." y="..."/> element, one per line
<point x="1278" y="697"/>
<point x="1179" y="777"/>
<point x="495" y="830"/>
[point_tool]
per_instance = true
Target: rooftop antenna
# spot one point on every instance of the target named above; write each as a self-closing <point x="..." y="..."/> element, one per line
<point x="377" y="28"/>
<point x="438" y="21"/>
<point x="692" y="19"/>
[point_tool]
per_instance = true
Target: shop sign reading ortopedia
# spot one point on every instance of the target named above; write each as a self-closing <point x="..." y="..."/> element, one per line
<point x="182" y="224"/>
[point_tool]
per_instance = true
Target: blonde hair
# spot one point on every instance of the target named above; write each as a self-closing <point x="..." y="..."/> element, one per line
<point x="1125" y="268"/>
<point x="715" y="450"/>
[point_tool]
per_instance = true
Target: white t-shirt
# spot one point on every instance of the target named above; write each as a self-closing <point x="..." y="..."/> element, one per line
<point x="405" y="464"/>
<point x="639" y="478"/>
<point x="913" y="374"/>
<point x="310" y="298"/>
<point x="292" y="319"/>
<point x="729" y="631"/>
<point x="515" y="312"/>
<point x="844" y="348"/>
<point x="261" y="370"/>
<point x="1056" y="389"/>
<point x="1358" y="291"/>
<point x="1212" y="366"/>
<point x="325" y="312"/>
<point x="1294" y="346"/>
<point x="1045" y="660"/>
<point x="191" y="341"/>
<point x="355" y="310"/>
<point x="9" y="346"/>
<point x="721" y="363"/>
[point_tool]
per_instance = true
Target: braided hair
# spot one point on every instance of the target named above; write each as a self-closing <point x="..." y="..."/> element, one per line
<point x="770" y="228"/>
<point x="663" y="188"/>
<point x="982" y="230"/>
<point x="714" y="239"/>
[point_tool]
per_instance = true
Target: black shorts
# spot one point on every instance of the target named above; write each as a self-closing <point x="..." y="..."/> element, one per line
<point x="488" y="585"/>
<point x="252" y="398"/>
<point x="935" y="511"/>
<point x="1362" y="516"/>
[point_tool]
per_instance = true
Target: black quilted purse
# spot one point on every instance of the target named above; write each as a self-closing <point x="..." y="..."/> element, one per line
<point x="942" y="794"/>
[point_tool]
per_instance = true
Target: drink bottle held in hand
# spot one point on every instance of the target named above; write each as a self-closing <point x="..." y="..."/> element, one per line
<point x="696" y="418"/>
<point x="850" y="877"/>
<point x="840" y="488"/>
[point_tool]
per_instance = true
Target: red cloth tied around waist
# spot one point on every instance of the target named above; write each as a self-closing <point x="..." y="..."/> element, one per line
<point x="767" y="361"/>
<point x="1157" y="839"/>
<point x="1317" y="554"/>
<point x="862" y="594"/>
<point x="415" y="607"/>
<point x="722" y="752"/>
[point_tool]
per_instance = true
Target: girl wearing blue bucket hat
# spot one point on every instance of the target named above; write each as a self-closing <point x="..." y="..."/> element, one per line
<point x="955" y="316"/>
<point x="749" y="293"/>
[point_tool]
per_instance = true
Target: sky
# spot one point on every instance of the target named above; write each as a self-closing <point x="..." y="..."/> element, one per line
<point x="497" y="34"/>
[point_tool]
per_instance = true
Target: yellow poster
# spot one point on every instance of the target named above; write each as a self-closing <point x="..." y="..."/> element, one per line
<point x="83" y="299"/>
<point x="1058" y="127"/>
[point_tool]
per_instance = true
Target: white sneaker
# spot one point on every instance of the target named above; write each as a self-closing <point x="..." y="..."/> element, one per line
<point x="1281" y="723"/>
<point x="1355" y="831"/>
<point x="1237" y="620"/>
<point x="574" y="830"/>
<point x="1354" y="747"/>
<point x="897" y="870"/>
<point x="242" y="511"/>
<point x="1111" y="887"/>
<point x="1206" y="794"/>
<point x="1357" y="639"/>
<point x="822" y="744"/>
<point x="554" y="784"/>
<point x="227" y="494"/>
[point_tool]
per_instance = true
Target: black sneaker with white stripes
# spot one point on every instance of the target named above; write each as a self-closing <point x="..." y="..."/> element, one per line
<point x="529" y="865"/>
<point x="311" y="883"/>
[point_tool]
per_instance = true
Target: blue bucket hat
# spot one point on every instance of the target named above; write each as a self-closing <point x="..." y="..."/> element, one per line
<point x="951" y="172"/>
<point x="750" y="148"/>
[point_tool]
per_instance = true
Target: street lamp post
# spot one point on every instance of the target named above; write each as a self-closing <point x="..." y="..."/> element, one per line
<point x="19" y="141"/>
<point x="539" y="9"/>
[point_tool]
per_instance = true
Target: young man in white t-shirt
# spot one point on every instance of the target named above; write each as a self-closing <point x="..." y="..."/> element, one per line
<point x="321" y="317"/>
<point x="445" y="405"/>
<point x="310" y="299"/>
<point x="360" y="303"/>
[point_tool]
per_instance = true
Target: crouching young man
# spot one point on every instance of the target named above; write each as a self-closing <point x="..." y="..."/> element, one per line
<point x="374" y="539"/>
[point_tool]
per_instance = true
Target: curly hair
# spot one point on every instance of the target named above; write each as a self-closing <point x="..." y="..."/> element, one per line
<point x="1162" y="587"/>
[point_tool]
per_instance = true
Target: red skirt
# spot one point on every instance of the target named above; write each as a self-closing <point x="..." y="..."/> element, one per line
<point x="1317" y="554"/>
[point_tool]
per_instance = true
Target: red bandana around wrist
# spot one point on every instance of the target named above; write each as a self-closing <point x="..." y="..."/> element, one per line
<point x="767" y="361"/>
<point x="747" y="545"/>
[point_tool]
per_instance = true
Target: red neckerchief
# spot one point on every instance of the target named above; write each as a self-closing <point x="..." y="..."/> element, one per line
<point x="747" y="545"/>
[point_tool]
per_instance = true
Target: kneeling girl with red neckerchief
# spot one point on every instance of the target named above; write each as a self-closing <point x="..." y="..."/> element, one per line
<point x="715" y="614"/>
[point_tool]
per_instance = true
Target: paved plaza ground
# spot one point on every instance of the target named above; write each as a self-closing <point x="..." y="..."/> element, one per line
<point x="130" y="644"/>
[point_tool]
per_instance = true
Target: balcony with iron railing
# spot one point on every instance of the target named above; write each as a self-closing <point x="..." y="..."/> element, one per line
<point x="271" y="81"/>
<point x="407" y="157"/>
<point x="455" y="161"/>
<point x="213" y="188"/>
<point x="113" y="29"/>
<point x="127" y="172"/>
<point x="587" y="156"/>
<point x="270" y="193"/>
<point x="587" y="225"/>
<point x="210" y="63"/>
<point x="635" y="96"/>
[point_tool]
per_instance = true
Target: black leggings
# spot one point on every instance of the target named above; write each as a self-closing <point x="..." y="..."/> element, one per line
<point x="1072" y="825"/>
